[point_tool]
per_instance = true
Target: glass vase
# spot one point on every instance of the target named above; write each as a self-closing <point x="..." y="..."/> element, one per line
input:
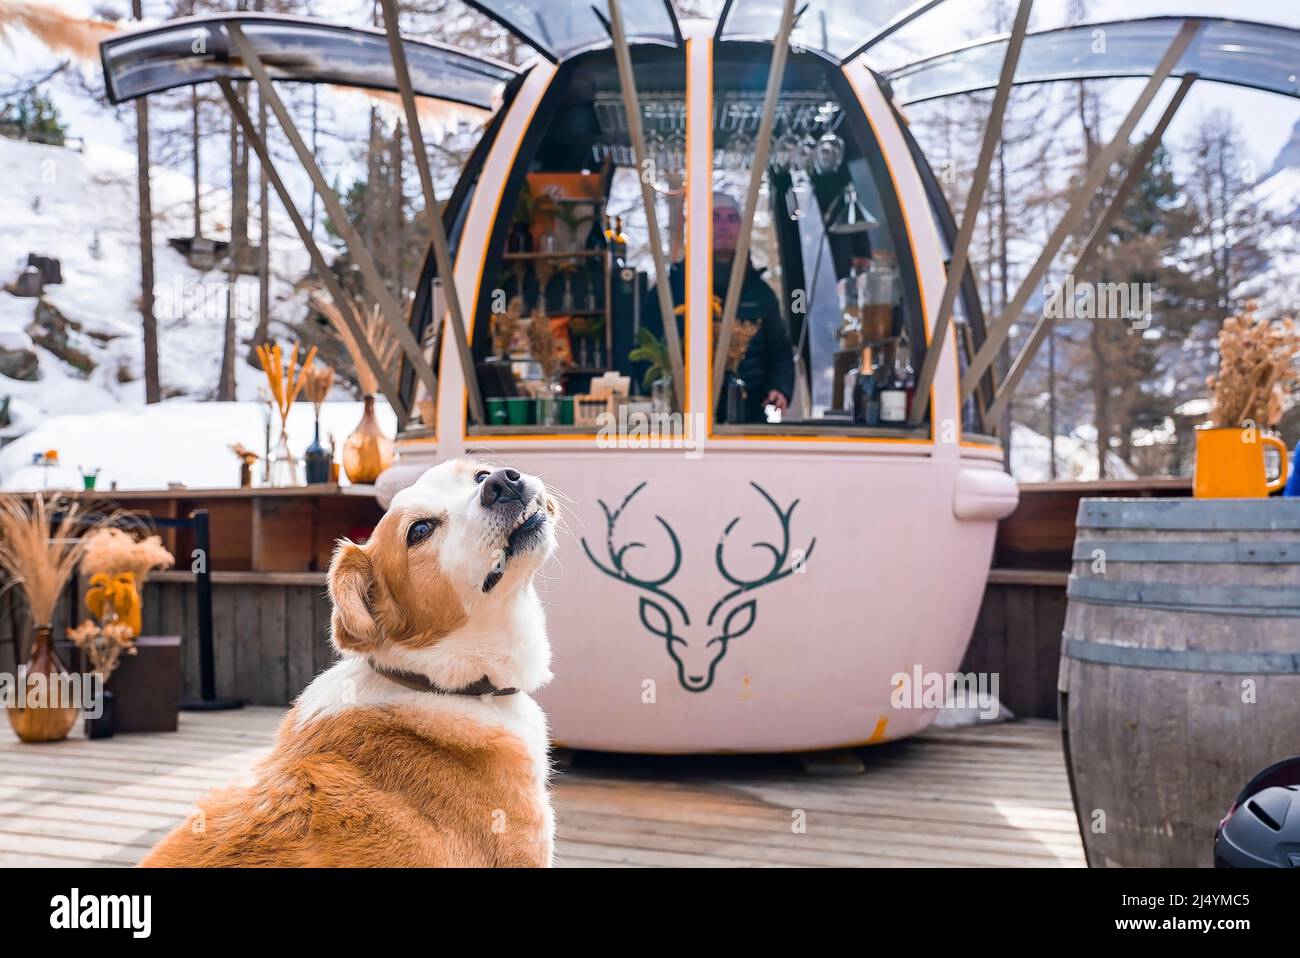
<point x="367" y="452"/>
<point x="283" y="468"/>
<point x="43" y="722"/>
<point x="317" y="459"/>
<point x="548" y="401"/>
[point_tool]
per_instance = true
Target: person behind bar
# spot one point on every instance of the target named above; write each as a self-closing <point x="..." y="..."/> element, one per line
<point x="767" y="367"/>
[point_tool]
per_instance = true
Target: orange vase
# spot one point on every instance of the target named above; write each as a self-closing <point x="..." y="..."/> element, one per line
<point x="43" y="724"/>
<point x="367" y="452"/>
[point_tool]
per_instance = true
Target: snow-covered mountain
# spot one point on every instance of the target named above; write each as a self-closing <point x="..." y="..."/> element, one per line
<point x="1279" y="193"/>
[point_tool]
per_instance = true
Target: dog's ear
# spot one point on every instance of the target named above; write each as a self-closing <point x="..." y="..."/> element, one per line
<point x="352" y="626"/>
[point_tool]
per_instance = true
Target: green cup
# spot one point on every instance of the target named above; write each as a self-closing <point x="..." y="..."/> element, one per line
<point x="498" y="413"/>
<point x="566" y="410"/>
<point x="520" y="410"/>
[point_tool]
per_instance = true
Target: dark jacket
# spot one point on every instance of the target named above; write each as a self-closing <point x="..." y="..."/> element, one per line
<point x="768" y="363"/>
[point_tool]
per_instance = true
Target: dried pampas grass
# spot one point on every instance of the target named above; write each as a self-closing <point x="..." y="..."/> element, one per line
<point x="378" y="334"/>
<point x="543" y="343"/>
<point x="39" y="554"/>
<point x="1257" y="370"/>
<point x="114" y="551"/>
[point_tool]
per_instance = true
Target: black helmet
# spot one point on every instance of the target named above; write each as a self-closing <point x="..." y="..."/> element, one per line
<point x="1262" y="829"/>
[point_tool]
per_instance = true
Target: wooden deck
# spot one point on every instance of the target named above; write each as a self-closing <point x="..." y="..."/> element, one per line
<point x="992" y="795"/>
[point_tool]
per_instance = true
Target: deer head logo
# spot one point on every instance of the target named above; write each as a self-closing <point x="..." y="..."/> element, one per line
<point x="697" y="657"/>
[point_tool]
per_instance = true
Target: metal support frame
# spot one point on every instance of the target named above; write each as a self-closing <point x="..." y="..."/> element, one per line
<point x="959" y="258"/>
<point x="337" y="293"/>
<point x="893" y="26"/>
<point x="632" y="106"/>
<point x="388" y="305"/>
<point x="1095" y="241"/>
<point x="437" y="231"/>
<point x="775" y="76"/>
<point x="1078" y="206"/>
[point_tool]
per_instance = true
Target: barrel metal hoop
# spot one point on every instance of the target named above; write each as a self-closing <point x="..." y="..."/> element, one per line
<point x="1182" y="660"/>
<point x="1285" y="552"/>
<point x="1235" y="600"/>
<point x="1241" y="515"/>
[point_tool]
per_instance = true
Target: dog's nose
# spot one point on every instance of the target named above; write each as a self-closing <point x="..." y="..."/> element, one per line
<point x="503" y="485"/>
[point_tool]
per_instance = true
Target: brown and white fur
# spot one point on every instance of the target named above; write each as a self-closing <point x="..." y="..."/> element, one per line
<point x="367" y="771"/>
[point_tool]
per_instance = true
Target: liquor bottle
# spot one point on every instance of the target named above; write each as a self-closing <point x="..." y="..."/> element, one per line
<point x="866" y="391"/>
<point x="899" y="384"/>
<point x="903" y="365"/>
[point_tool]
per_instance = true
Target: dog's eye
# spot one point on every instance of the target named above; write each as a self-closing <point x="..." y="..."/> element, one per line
<point x="481" y="475"/>
<point x="420" y="530"/>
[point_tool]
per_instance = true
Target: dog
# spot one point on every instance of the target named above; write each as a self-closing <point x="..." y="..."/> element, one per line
<point x="422" y="745"/>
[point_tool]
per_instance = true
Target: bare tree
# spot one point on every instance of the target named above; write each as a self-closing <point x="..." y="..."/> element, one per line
<point x="152" y="385"/>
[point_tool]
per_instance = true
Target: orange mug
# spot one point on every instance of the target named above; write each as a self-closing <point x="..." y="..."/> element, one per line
<point x="1230" y="463"/>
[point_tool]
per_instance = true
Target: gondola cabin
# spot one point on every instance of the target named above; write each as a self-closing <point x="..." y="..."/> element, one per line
<point x="735" y="577"/>
<point x="761" y="539"/>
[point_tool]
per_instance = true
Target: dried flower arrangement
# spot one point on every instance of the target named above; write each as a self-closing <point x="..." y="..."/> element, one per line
<point x="114" y="551"/>
<point x="742" y="334"/>
<point x="246" y="455"/>
<point x="544" y="344"/>
<point x="319" y="380"/>
<point x="1257" y="370"/>
<point x="284" y="382"/>
<point x="117" y="565"/>
<point x="506" y="325"/>
<point x="104" y="644"/>
<point x="377" y="333"/>
<point x="38" y="553"/>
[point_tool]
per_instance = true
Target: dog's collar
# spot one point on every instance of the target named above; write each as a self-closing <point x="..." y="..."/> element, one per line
<point x="422" y="683"/>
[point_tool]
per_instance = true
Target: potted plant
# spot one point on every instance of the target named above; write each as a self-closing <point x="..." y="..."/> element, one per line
<point x="1256" y="371"/>
<point x="658" y="379"/>
<point x="39" y="550"/>
<point x="117" y="566"/>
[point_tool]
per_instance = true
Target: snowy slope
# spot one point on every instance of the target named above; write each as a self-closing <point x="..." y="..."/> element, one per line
<point x="59" y="202"/>
<point x="1278" y="290"/>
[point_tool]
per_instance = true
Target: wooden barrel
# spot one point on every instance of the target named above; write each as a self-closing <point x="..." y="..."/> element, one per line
<point x="1180" y="668"/>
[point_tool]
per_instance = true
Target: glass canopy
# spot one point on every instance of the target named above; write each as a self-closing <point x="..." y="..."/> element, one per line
<point x="841" y="30"/>
<point x="198" y="50"/>
<point x="1245" y="54"/>
<point x="560" y="28"/>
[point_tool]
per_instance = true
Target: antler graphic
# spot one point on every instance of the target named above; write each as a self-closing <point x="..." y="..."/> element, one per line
<point x="779" y="555"/>
<point x="619" y="571"/>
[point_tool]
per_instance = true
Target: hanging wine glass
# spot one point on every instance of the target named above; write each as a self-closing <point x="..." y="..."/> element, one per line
<point x="829" y="153"/>
<point x="805" y="154"/>
<point x="793" y="200"/>
<point x="785" y="151"/>
<point x="655" y="149"/>
<point x="676" y="147"/>
<point x="739" y="149"/>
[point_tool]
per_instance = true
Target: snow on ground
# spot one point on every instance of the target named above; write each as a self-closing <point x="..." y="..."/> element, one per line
<point x="1076" y="456"/>
<point x="80" y="207"/>
<point x="149" y="447"/>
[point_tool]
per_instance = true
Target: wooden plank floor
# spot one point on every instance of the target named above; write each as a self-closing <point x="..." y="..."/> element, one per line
<point x="992" y="795"/>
